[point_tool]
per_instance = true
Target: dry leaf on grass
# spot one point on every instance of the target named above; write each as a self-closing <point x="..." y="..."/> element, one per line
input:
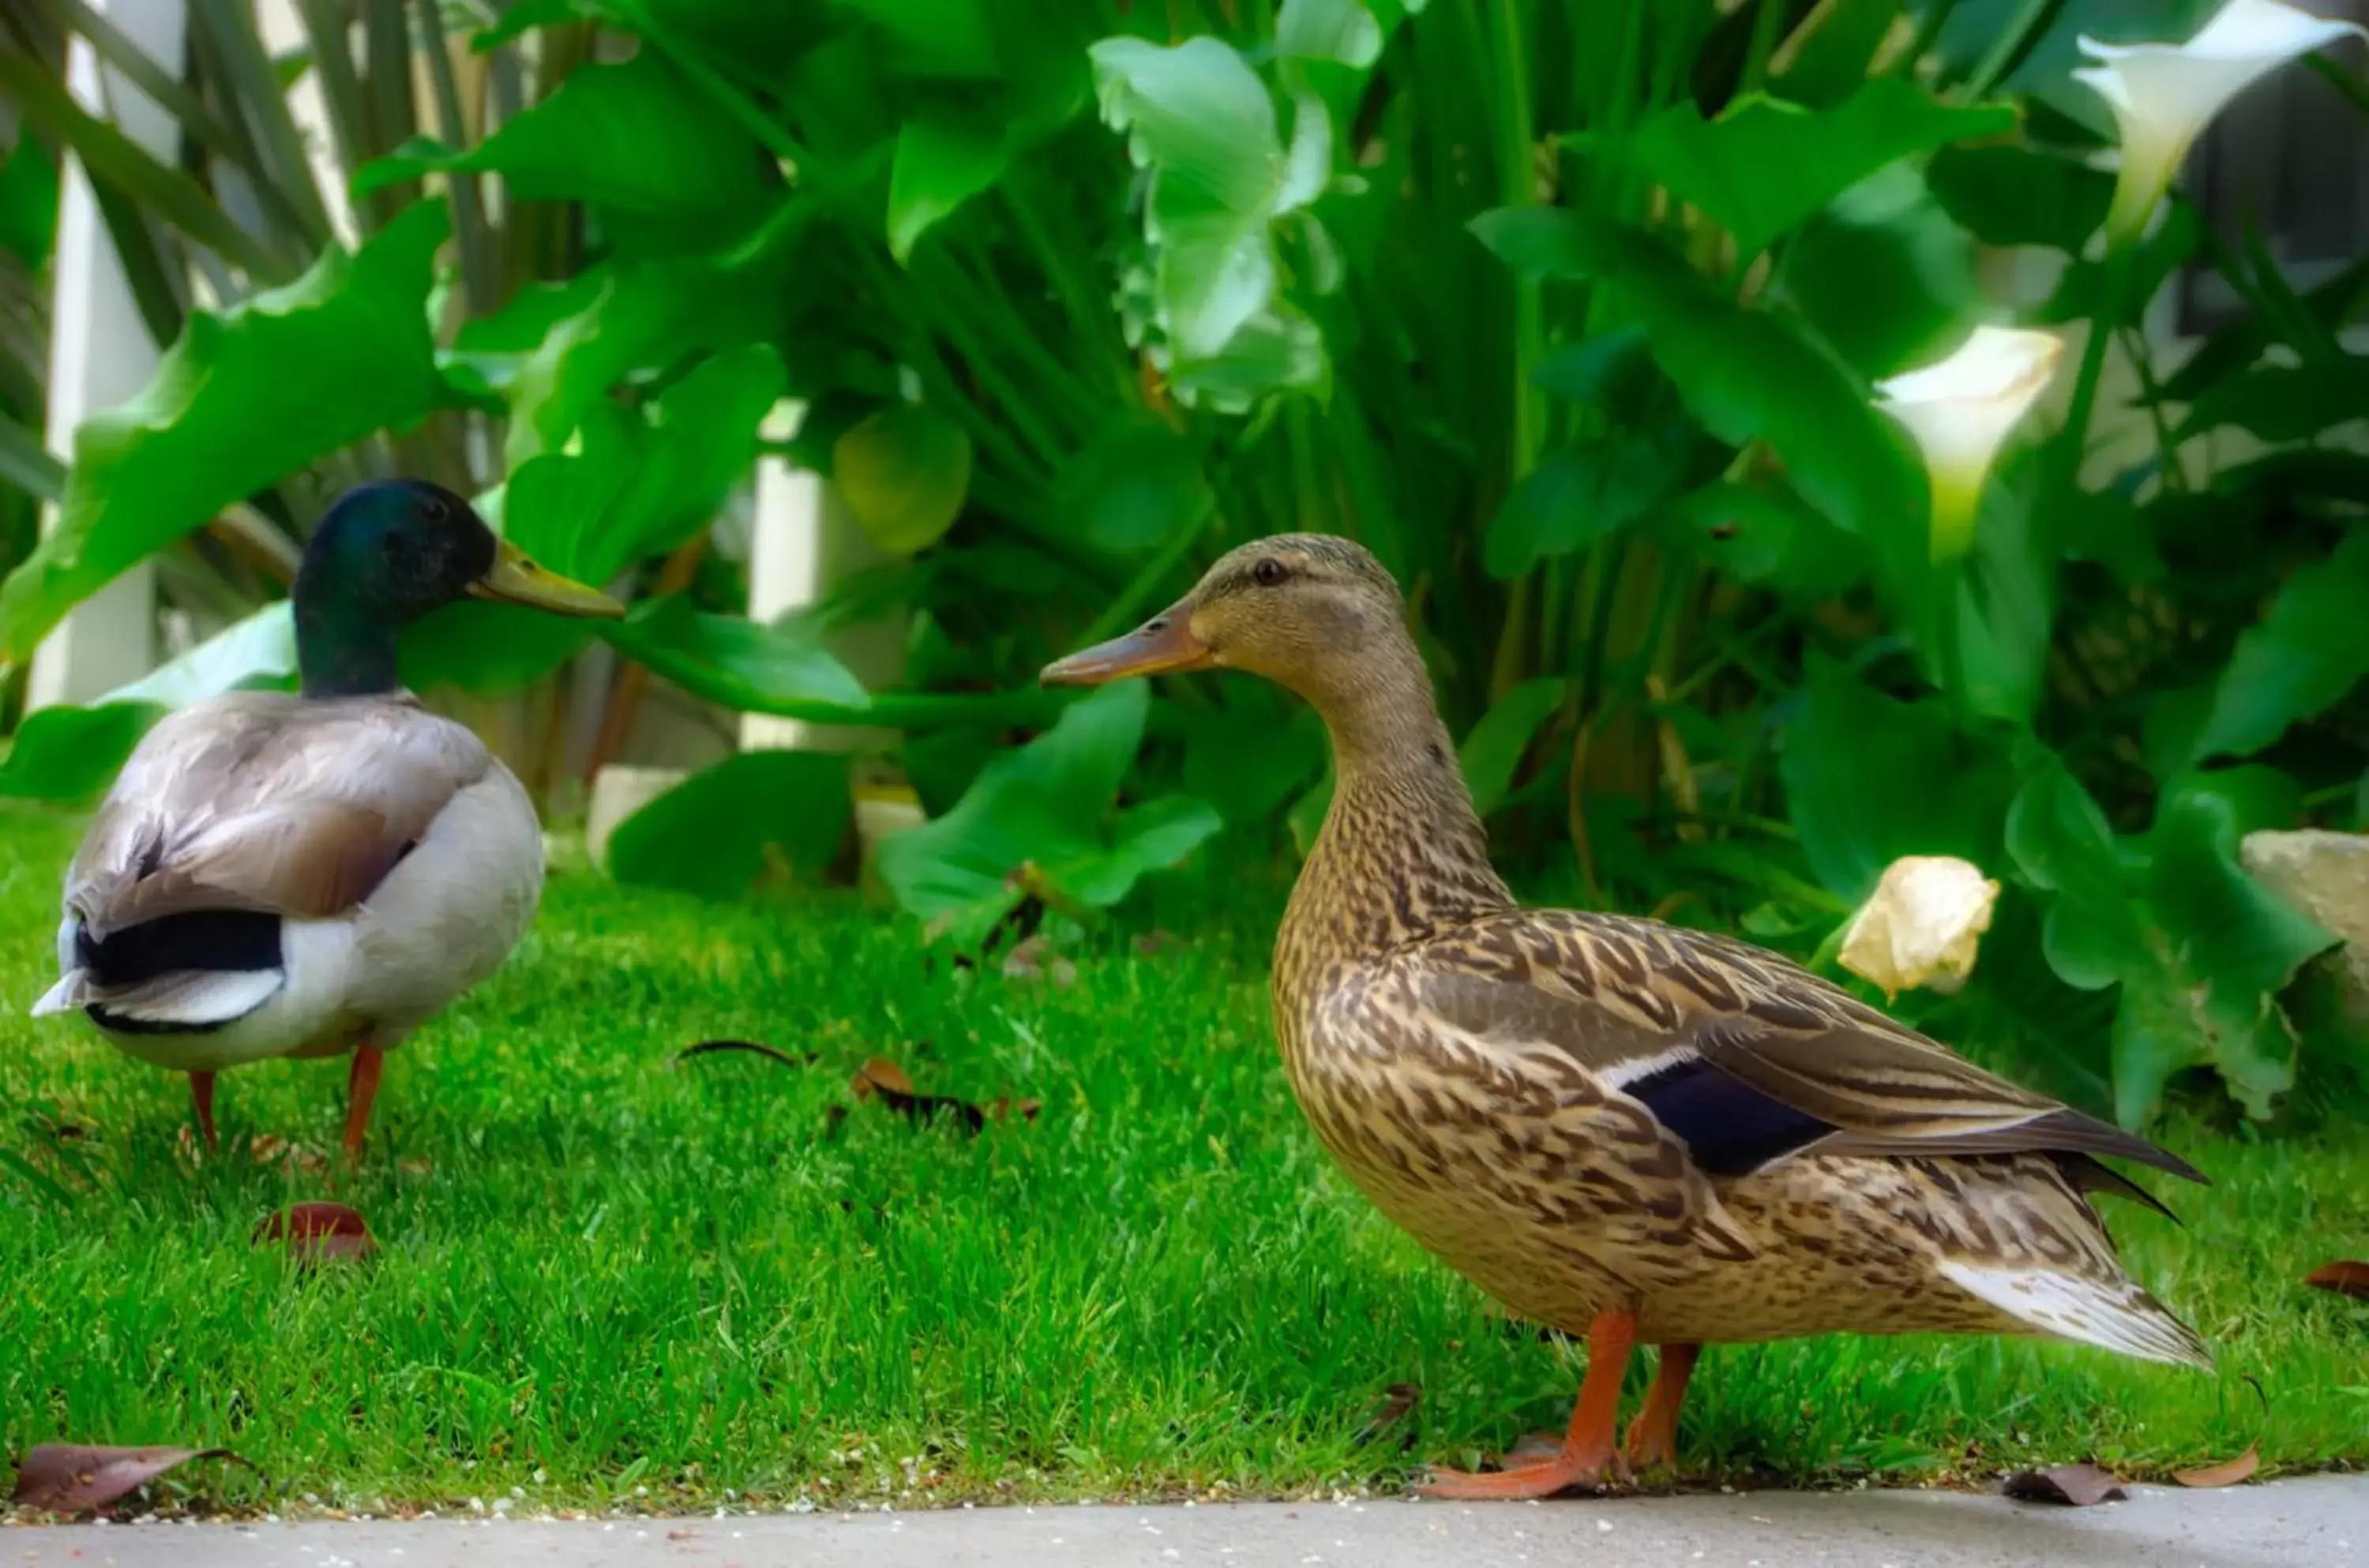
<point x="2229" y="1472"/>
<point x="2348" y="1279"/>
<point x="73" y="1478"/>
<point x="1398" y="1402"/>
<point x="319" y="1232"/>
<point x="885" y="1081"/>
<point x="270" y="1148"/>
<point x="2077" y="1486"/>
<point x="1033" y="960"/>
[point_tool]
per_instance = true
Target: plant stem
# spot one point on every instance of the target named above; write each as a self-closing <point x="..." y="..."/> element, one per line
<point x="2073" y="438"/>
<point x="2174" y="475"/>
<point x="1948" y="621"/>
<point x="1768" y="23"/>
<point x="2010" y="46"/>
<point x="1515" y="142"/>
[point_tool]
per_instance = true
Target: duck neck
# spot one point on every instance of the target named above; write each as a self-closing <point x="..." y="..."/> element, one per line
<point x="1402" y="854"/>
<point x="345" y="645"/>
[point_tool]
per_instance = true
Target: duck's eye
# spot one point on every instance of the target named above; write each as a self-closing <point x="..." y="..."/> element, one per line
<point x="1269" y="572"/>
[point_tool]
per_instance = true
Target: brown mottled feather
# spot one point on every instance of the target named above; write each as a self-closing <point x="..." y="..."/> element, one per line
<point x="1762" y="1020"/>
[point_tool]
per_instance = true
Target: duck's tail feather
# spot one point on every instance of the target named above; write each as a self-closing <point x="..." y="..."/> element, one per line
<point x="178" y="1001"/>
<point x="2113" y="1314"/>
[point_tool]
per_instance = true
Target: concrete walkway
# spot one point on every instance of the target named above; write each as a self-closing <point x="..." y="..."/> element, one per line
<point x="2317" y="1522"/>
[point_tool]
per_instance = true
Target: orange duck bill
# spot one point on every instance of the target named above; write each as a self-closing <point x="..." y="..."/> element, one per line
<point x="1161" y="645"/>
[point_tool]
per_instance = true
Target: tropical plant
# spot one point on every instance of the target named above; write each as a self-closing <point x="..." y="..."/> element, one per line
<point x="1607" y="327"/>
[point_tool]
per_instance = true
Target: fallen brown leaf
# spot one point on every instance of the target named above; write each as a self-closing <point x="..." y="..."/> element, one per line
<point x="885" y="1081"/>
<point x="2229" y="1472"/>
<point x="1152" y="943"/>
<point x="1033" y="958"/>
<point x="319" y="1232"/>
<point x="880" y="1076"/>
<point x="2075" y="1486"/>
<point x="270" y="1148"/>
<point x="2347" y="1278"/>
<point x="1398" y="1402"/>
<point x="73" y="1477"/>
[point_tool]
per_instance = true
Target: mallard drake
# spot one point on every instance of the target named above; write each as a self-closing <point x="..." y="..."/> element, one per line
<point x="316" y="874"/>
<point x="1615" y="1127"/>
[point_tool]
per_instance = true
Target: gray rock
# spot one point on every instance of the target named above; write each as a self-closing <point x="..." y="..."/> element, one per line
<point x="2325" y="876"/>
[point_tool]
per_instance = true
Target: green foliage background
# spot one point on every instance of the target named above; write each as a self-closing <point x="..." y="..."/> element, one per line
<point x="1570" y="311"/>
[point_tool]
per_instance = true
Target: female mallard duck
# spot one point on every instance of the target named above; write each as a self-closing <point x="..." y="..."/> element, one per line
<point x="1613" y="1125"/>
<point x="306" y="875"/>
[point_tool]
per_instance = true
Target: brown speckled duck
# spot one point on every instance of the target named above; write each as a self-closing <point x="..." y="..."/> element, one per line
<point x="1616" y="1127"/>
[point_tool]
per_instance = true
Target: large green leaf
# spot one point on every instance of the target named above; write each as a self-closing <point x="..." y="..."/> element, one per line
<point x="904" y="471"/>
<point x="949" y="39"/>
<point x="1200" y="120"/>
<point x="2285" y="403"/>
<point x="738" y="662"/>
<point x="2199" y="949"/>
<point x="1494" y="749"/>
<point x="1885" y="276"/>
<point x="1612" y="370"/>
<point x="1582" y="493"/>
<point x="1044" y="807"/>
<point x="1869" y="778"/>
<point x="2310" y="650"/>
<point x="700" y="441"/>
<point x="1755" y="536"/>
<point x="1248" y="757"/>
<point x="714" y="831"/>
<point x="942" y="160"/>
<point x="69" y="754"/>
<point x="556" y="357"/>
<point x="1133" y="487"/>
<point x="1765" y="166"/>
<point x="1746" y="374"/>
<point x="636" y="487"/>
<point x="245" y="398"/>
<point x="639" y="136"/>
<point x="2320" y="314"/>
<point x="1831" y="51"/>
<point x="29" y="202"/>
<point x="2008" y="195"/>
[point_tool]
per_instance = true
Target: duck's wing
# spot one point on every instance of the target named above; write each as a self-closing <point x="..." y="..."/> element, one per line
<point x="264" y="803"/>
<point x="1746" y="1057"/>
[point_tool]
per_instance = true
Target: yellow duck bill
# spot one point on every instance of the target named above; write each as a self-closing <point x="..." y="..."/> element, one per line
<point x="1162" y="645"/>
<point x="517" y="580"/>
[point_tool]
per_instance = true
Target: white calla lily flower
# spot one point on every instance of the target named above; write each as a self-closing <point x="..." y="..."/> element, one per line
<point x="1960" y="410"/>
<point x="1922" y="925"/>
<point x="2164" y="94"/>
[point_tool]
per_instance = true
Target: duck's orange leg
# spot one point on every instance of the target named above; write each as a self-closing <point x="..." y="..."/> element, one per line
<point x="201" y="1096"/>
<point x="1588" y="1448"/>
<point x="1654" y="1435"/>
<point x="361" y="1091"/>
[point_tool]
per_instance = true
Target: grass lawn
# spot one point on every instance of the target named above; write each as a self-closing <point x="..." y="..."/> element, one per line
<point x="602" y="1272"/>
